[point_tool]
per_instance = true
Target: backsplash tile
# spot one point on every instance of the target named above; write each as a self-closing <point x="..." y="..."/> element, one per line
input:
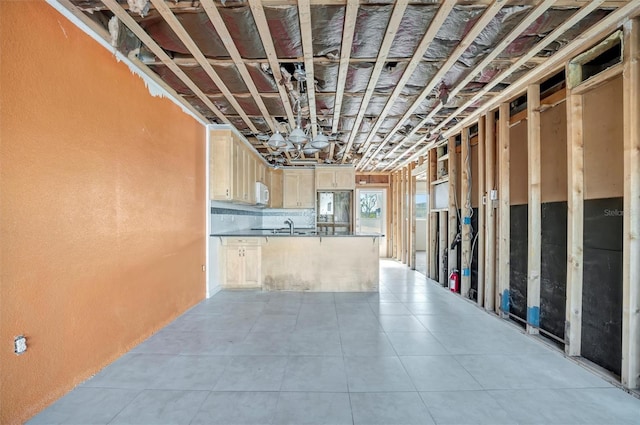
<point x="226" y="217"/>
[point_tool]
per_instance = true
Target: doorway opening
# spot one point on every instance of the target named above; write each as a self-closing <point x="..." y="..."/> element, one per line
<point x="371" y="214"/>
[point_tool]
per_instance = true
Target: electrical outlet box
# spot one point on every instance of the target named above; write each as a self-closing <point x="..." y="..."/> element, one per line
<point x="493" y="195"/>
<point x="19" y="344"/>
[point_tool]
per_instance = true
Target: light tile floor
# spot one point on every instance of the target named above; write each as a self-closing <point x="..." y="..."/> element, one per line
<point x="412" y="354"/>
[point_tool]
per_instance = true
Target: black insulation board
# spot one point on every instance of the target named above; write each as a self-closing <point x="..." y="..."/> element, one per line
<point x="602" y="283"/>
<point x="518" y="260"/>
<point x="474" y="258"/>
<point x="553" y="270"/>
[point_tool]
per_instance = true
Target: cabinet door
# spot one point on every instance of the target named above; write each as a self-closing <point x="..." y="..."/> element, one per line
<point x="261" y="172"/>
<point x="325" y="178"/>
<point x="289" y="189"/>
<point x="238" y="174"/>
<point x="345" y="178"/>
<point x="252" y="267"/>
<point x="306" y="189"/>
<point x="275" y="188"/>
<point x="250" y="178"/>
<point x="221" y="167"/>
<point x="234" y="267"/>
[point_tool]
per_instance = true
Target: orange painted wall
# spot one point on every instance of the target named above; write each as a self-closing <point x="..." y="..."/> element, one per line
<point x="102" y="208"/>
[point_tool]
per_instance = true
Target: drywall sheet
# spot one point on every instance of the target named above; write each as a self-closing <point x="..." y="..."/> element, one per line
<point x="518" y="261"/>
<point x="602" y="284"/>
<point x="553" y="154"/>
<point x="553" y="272"/>
<point x="518" y="167"/>
<point x="603" y="141"/>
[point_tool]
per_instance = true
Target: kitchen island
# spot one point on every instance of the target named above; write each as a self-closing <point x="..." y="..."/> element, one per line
<point x="303" y="261"/>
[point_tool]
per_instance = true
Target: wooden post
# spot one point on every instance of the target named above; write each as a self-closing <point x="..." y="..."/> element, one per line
<point x="433" y="218"/>
<point x="403" y="215"/>
<point x="453" y="208"/>
<point x="442" y="247"/>
<point x="396" y="216"/>
<point x="535" y="212"/>
<point x="481" y="213"/>
<point x="412" y="218"/>
<point x="575" y="221"/>
<point x="428" y="218"/>
<point x="399" y="217"/>
<point x="504" y="212"/>
<point x="465" y="204"/>
<point x="630" y="375"/>
<point x="490" y="239"/>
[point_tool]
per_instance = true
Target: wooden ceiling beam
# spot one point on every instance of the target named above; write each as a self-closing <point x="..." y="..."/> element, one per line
<point x="267" y="43"/>
<point x="478" y="27"/>
<point x="348" y="30"/>
<point x="430" y="34"/>
<point x="214" y="16"/>
<point x="193" y="48"/>
<point x="574" y="19"/>
<point x="390" y="34"/>
<point x="132" y="56"/>
<point x="194" y="7"/>
<point x="529" y="78"/>
<point x="304" y="14"/>
<point x="146" y="39"/>
<point x="189" y="61"/>
<point x="504" y="43"/>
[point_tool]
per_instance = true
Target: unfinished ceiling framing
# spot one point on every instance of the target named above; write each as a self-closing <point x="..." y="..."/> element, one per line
<point x="384" y="79"/>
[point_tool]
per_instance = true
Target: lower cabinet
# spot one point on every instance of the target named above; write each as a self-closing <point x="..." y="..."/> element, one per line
<point x="242" y="263"/>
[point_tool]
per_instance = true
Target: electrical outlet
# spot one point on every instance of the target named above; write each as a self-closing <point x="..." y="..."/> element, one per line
<point x="19" y="344"/>
<point x="203" y="268"/>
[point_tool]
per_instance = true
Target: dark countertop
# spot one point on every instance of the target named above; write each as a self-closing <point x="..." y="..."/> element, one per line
<point x="301" y="232"/>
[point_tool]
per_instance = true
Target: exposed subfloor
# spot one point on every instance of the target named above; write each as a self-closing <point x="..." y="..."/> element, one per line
<point x="412" y="354"/>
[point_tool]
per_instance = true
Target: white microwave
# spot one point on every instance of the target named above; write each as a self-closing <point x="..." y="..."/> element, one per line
<point x="262" y="194"/>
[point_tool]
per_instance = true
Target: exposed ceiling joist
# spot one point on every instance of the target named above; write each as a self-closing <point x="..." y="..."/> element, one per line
<point x="580" y="14"/>
<point x="478" y="27"/>
<point x="304" y="13"/>
<point x="434" y="27"/>
<point x="491" y="56"/>
<point x="215" y="18"/>
<point x="345" y="54"/>
<point x="124" y="17"/>
<point x="193" y="48"/>
<point x="392" y="28"/>
<point x="96" y="6"/>
<point x="601" y="29"/>
<point x="267" y="42"/>
<point x="369" y="48"/>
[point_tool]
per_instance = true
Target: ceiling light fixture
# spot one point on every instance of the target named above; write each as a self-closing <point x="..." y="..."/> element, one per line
<point x="298" y="142"/>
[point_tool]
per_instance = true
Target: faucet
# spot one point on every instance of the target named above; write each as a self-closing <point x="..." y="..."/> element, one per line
<point x="290" y="223"/>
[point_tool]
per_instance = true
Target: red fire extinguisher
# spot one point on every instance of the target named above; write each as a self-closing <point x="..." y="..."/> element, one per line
<point x="454" y="281"/>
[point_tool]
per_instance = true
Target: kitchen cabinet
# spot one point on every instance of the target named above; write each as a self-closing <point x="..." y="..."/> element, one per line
<point x="298" y="188"/>
<point x="242" y="264"/>
<point x="234" y="168"/>
<point x="335" y="178"/>
<point x="249" y="177"/>
<point x="275" y="188"/>
<point x="261" y="172"/>
<point x="223" y="167"/>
